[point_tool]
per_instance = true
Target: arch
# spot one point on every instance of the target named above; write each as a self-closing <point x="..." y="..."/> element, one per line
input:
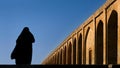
<point x="112" y="38"/>
<point x="80" y="49"/>
<point x="69" y="53"/>
<point x="90" y="56"/>
<point x="84" y="51"/>
<point x="61" y="56"/>
<point x="99" y="44"/>
<point x="64" y="55"/>
<point x="74" y="51"/>
<point x="55" y="59"/>
<point x="58" y="58"/>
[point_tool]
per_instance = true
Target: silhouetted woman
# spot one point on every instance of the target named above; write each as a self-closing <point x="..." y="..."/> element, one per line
<point x="22" y="52"/>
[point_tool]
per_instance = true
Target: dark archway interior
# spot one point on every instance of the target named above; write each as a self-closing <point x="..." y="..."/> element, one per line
<point x="69" y="53"/>
<point x="99" y="45"/>
<point x="58" y="58"/>
<point x="80" y="50"/>
<point x="90" y="56"/>
<point x="112" y="38"/>
<point x="74" y="52"/>
<point x="65" y="55"/>
<point x="61" y="57"/>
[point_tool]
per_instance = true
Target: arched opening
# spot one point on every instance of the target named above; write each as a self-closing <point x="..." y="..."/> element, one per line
<point x="74" y="52"/>
<point x="90" y="56"/>
<point x="52" y="59"/>
<point x="99" y="44"/>
<point x="112" y="38"/>
<point x="84" y="49"/>
<point x="61" y="56"/>
<point x="69" y="53"/>
<point x="80" y="50"/>
<point x="55" y="58"/>
<point x="65" y="55"/>
<point x="58" y="58"/>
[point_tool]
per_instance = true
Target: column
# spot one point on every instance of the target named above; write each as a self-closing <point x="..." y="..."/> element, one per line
<point x="105" y="38"/>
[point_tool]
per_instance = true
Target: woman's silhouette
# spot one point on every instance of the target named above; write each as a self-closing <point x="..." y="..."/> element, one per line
<point x="22" y="52"/>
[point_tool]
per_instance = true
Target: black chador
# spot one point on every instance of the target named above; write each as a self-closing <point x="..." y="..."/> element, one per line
<point x="22" y="52"/>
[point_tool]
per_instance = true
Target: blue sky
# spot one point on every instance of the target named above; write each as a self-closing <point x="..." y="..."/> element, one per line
<point x="50" y="21"/>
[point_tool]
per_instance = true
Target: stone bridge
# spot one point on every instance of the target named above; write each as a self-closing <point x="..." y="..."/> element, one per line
<point x="96" y="41"/>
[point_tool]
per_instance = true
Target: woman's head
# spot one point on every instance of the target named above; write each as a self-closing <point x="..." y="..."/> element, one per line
<point x="26" y="29"/>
